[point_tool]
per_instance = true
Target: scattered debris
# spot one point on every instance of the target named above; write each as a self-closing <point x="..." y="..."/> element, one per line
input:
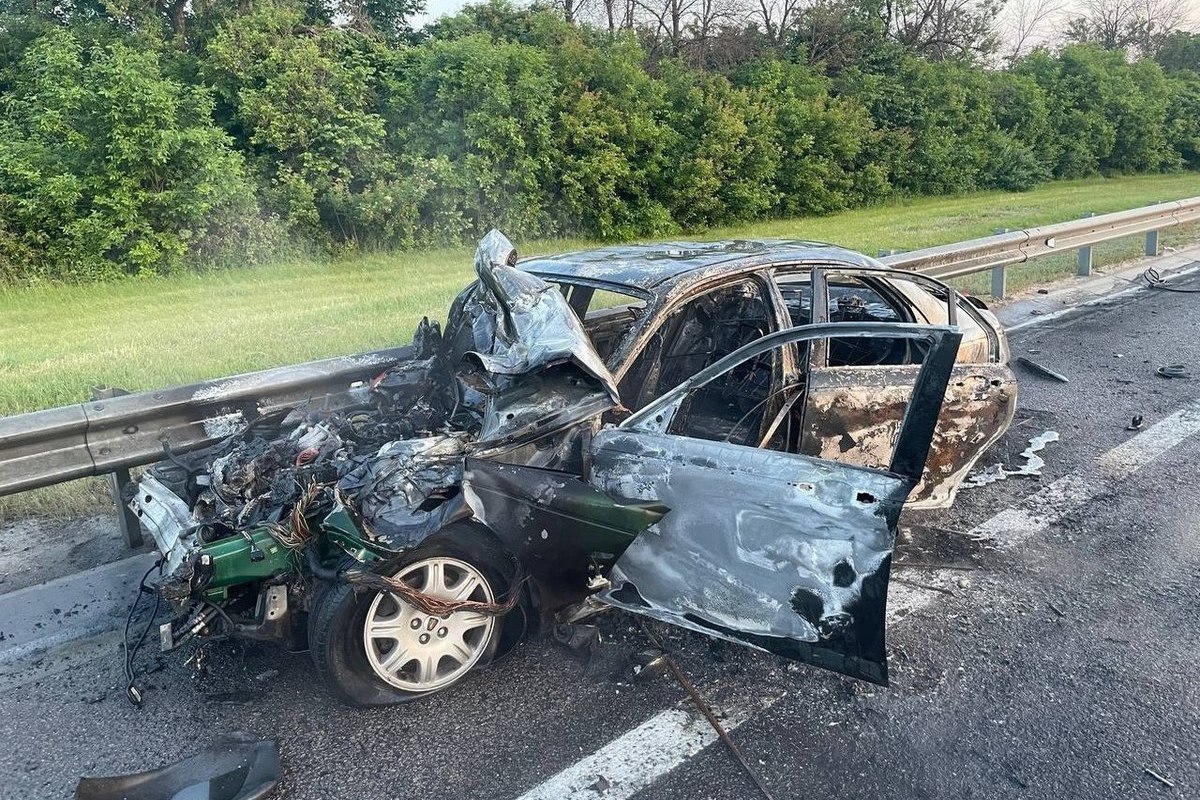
<point x="1135" y="424"/>
<point x="579" y="639"/>
<point x="927" y="586"/>
<point x="1041" y="369"/>
<point x="649" y="664"/>
<point x="1164" y="781"/>
<point x="1057" y="611"/>
<point x="707" y="711"/>
<point x="1032" y="466"/>
<point x="235" y="767"/>
<point x="1173" y="371"/>
<point x="232" y="697"/>
<point x="1156" y="281"/>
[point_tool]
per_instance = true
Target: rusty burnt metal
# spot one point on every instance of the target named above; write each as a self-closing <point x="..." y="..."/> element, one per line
<point x="855" y="418"/>
<point x="717" y="436"/>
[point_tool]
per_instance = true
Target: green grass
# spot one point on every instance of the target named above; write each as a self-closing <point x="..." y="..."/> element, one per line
<point x="57" y="341"/>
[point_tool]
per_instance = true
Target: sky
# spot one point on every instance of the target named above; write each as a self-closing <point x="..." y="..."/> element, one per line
<point x="435" y="9"/>
<point x="438" y="8"/>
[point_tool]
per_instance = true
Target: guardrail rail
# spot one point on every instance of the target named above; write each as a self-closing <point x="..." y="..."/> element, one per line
<point x="116" y="431"/>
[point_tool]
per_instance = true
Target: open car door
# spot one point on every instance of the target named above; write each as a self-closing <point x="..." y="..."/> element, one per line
<point x="784" y="552"/>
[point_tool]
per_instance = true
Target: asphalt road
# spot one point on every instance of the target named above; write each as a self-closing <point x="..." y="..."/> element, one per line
<point x="1046" y="641"/>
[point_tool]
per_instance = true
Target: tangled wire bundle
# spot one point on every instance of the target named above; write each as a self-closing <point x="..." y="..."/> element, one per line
<point x="1156" y="281"/>
<point x="434" y="606"/>
<point x="297" y="534"/>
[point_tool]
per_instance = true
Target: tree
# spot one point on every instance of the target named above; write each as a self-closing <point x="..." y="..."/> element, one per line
<point x="302" y="100"/>
<point x="107" y="167"/>
<point x="1138" y="25"/>
<point x="776" y="16"/>
<point x="1024" y="24"/>
<point x="944" y="29"/>
<point x="1179" y="50"/>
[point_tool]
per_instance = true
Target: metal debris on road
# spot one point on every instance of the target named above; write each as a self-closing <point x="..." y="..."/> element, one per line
<point x="1173" y="371"/>
<point x="705" y="709"/>
<point x="1159" y="778"/>
<point x="1156" y="281"/>
<point x="235" y="767"/>
<point x="1135" y="424"/>
<point x="1041" y="369"/>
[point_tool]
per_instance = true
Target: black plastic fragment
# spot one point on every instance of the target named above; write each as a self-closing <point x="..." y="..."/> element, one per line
<point x="235" y="767"/>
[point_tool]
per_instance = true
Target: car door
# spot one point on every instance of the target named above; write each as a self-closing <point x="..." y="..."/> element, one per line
<point x="777" y="550"/>
<point x="856" y="392"/>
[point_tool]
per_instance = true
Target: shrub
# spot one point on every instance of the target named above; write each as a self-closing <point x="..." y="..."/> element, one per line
<point x="108" y="168"/>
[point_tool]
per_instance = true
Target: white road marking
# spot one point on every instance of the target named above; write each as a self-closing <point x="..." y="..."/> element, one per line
<point x="1037" y="512"/>
<point x="634" y="760"/>
<point x="638" y="758"/>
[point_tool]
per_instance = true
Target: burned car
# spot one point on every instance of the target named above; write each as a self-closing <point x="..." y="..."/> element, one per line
<point x="716" y="436"/>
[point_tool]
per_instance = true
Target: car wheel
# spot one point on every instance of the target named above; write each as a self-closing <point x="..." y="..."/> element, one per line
<point x="373" y="648"/>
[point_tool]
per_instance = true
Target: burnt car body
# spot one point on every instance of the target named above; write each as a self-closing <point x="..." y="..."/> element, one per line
<point x="658" y="313"/>
<point x="748" y="488"/>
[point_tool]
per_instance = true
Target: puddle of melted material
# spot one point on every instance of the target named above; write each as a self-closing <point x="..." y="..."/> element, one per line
<point x="1032" y="466"/>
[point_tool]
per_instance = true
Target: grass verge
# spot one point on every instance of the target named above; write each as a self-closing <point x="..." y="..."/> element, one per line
<point x="60" y="340"/>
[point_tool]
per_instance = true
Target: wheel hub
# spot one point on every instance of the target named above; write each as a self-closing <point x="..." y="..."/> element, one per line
<point x="420" y="652"/>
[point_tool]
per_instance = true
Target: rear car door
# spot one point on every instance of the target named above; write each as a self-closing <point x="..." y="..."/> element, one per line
<point x="777" y="550"/>
<point x="857" y="390"/>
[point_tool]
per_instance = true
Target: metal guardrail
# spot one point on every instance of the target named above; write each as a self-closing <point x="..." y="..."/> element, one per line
<point x="1007" y="248"/>
<point x="112" y="433"/>
<point x="116" y="430"/>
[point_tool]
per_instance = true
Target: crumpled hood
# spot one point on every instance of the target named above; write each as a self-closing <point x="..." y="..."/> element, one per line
<point x="515" y="378"/>
<point x="526" y="324"/>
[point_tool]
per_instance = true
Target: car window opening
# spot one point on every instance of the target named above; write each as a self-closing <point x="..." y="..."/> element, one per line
<point x="695" y="336"/>
<point x="607" y="315"/>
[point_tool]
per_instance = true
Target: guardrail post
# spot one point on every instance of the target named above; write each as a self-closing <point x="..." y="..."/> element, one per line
<point x="1085" y="255"/>
<point x="1151" y="243"/>
<point x="118" y="479"/>
<point x="999" y="276"/>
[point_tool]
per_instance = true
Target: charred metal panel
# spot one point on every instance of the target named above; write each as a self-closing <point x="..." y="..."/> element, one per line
<point x="520" y="323"/>
<point x="854" y="414"/>
<point x="647" y="266"/>
<point x="561" y="528"/>
<point x="234" y="767"/>
<point x="782" y="552"/>
<point x="402" y="491"/>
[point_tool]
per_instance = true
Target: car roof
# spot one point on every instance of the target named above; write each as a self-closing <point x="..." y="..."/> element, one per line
<point x="647" y="266"/>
